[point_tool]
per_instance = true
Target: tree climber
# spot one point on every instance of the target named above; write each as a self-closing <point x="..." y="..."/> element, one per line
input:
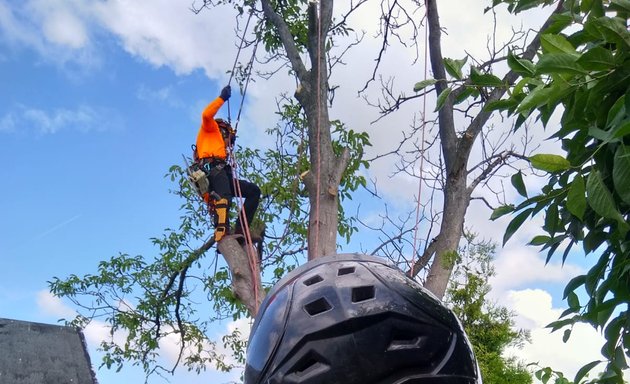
<point x="214" y="140"/>
<point x="353" y="319"/>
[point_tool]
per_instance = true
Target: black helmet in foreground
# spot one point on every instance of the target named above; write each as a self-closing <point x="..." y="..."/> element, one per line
<point x="353" y="319"/>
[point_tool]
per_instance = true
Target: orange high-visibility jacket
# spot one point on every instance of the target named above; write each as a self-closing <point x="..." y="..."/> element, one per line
<point x="209" y="140"/>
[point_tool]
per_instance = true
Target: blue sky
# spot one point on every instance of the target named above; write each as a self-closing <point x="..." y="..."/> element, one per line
<point x="99" y="99"/>
<point x="85" y="146"/>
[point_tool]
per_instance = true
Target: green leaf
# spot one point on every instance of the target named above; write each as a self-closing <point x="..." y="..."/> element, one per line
<point x="621" y="172"/>
<point x="621" y="130"/>
<point x="423" y="84"/>
<point x="558" y="324"/>
<point x="535" y="99"/>
<point x="540" y="240"/>
<point x="454" y="67"/>
<point x="519" y="185"/>
<point x="599" y="197"/>
<point x="562" y="63"/>
<point x="620" y="358"/>
<point x="573" y="284"/>
<point x="515" y="224"/>
<point x="556" y="43"/>
<point x="581" y="373"/>
<point x="573" y="300"/>
<point x="616" y="113"/>
<point x="521" y="66"/>
<point x="605" y="310"/>
<point x="466" y="93"/>
<point x="586" y="5"/>
<point x="597" y="59"/>
<point x="549" y="163"/>
<point x="543" y="96"/>
<point x="621" y="5"/>
<point x="604" y="136"/>
<point x="484" y="79"/>
<point x="551" y="220"/>
<point x="500" y="105"/>
<point x="442" y="99"/>
<point x="566" y="335"/>
<point x="524" y="5"/>
<point x="612" y="29"/>
<point x="501" y="211"/>
<point x="576" y="198"/>
<point x="559" y="23"/>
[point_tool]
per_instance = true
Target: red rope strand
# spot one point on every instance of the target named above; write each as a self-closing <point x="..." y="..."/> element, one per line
<point x="424" y="110"/>
<point x="319" y="152"/>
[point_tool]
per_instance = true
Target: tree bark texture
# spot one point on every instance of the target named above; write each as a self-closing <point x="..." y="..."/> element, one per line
<point x="246" y="284"/>
<point x="322" y="182"/>
<point x="456" y="152"/>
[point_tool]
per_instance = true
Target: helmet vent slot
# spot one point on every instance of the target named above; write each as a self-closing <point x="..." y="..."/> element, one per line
<point x="309" y="366"/>
<point x="364" y="293"/>
<point x="345" y="271"/>
<point x="313" y="280"/>
<point x="404" y="340"/>
<point x="305" y="365"/>
<point x="318" y="306"/>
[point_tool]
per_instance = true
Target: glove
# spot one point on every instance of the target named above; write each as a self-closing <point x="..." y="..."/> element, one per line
<point x="226" y="92"/>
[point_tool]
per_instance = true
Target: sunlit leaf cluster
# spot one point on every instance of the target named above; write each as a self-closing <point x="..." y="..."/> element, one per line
<point x="583" y="73"/>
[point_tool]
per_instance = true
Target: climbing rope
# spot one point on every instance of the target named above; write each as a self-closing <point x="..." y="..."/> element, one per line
<point x="318" y="132"/>
<point x="238" y="53"/>
<point x="424" y="110"/>
<point x="253" y="264"/>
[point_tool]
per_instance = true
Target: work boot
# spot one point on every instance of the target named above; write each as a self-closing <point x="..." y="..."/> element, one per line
<point x="255" y="238"/>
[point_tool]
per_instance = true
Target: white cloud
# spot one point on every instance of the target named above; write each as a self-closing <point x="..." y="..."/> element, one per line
<point x="191" y="41"/>
<point x="8" y="122"/>
<point x="65" y="28"/>
<point x="534" y="310"/>
<point x="62" y="22"/>
<point x="517" y="267"/>
<point x="58" y="30"/>
<point x="16" y="31"/>
<point x="83" y="119"/>
<point x="51" y="305"/>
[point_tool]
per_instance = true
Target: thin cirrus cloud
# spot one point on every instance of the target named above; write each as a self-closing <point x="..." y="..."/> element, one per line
<point x="82" y="119"/>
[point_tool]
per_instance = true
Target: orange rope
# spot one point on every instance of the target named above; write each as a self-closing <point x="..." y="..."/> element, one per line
<point x="253" y="265"/>
<point x="424" y="110"/>
<point x="319" y="152"/>
<point x="238" y="53"/>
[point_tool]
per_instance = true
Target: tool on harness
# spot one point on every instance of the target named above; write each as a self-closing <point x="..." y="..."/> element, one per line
<point x="198" y="173"/>
<point x="221" y="206"/>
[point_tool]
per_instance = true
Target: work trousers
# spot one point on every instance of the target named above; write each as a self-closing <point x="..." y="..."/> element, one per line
<point x="221" y="183"/>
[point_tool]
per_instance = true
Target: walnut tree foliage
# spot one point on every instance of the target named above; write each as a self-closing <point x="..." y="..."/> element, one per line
<point x="177" y="293"/>
<point x="489" y="326"/>
<point x="582" y="74"/>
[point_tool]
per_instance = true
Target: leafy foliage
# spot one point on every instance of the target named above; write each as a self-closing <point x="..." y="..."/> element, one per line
<point x="489" y="326"/>
<point x="278" y="171"/>
<point x="147" y="302"/>
<point x="583" y="71"/>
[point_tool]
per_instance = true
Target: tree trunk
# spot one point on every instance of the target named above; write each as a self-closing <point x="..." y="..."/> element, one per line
<point x="246" y="284"/>
<point x="322" y="182"/>
<point x="456" y="200"/>
<point x="456" y="152"/>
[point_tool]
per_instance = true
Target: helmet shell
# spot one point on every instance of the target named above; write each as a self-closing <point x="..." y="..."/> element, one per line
<point x="353" y="318"/>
